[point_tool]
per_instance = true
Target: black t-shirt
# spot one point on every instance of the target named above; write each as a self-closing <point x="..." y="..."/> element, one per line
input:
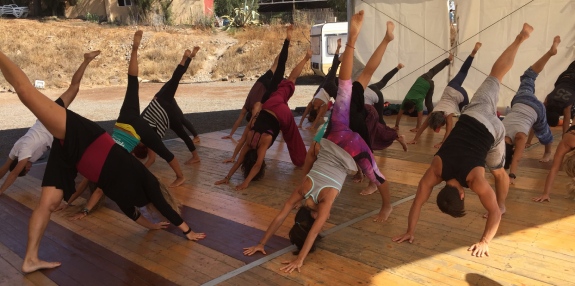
<point x="465" y="148"/>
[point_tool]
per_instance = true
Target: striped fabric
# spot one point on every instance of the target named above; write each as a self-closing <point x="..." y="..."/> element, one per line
<point x="157" y="117"/>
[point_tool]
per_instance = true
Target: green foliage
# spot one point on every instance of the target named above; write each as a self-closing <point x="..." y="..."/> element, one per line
<point x="167" y="11"/>
<point x="226" y="7"/>
<point x="92" y="18"/>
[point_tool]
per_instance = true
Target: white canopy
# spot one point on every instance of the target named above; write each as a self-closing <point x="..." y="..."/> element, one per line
<point x="478" y="20"/>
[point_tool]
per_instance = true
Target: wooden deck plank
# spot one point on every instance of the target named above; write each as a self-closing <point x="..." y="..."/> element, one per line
<point x="533" y="245"/>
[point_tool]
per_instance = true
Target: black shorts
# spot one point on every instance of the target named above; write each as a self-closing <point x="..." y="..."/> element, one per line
<point x="61" y="167"/>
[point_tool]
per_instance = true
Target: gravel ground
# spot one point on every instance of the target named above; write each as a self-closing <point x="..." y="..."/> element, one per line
<point x="209" y="106"/>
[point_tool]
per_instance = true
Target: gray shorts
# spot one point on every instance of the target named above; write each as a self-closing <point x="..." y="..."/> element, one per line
<point x="483" y="107"/>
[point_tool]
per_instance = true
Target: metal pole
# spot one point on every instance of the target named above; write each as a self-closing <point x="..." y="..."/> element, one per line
<point x="350" y="9"/>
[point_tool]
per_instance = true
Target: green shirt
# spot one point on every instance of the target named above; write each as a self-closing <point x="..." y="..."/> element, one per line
<point x="417" y="93"/>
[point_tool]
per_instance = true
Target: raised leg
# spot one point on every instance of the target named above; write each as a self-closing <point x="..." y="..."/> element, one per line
<point x="168" y="90"/>
<point x="540" y="64"/>
<point x="505" y="61"/>
<point x="69" y="95"/>
<point x="47" y="111"/>
<point x="376" y="57"/>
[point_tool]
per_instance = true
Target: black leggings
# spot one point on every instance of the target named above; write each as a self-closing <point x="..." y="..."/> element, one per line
<point x="428" y="76"/>
<point x="279" y="74"/>
<point x="376" y="87"/>
<point x="130" y="114"/>
<point x="358" y="114"/>
<point x="184" y="120"/>
<point x="165" y="98"/>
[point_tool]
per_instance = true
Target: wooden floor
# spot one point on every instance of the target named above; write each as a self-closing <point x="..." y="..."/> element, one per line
<point x="533" y="246"/>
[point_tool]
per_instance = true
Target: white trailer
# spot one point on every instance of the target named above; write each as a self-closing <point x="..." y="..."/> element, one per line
<point x="324" y="43"/>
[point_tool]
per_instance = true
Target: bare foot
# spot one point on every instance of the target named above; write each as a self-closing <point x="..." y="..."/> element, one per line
<point x="383" y="214"/>
<point x="450" y="57"/>
<point x="308" y="54"/>
<point x="289" y="32"/>
<point x="400" y="66"/>
<point x="91" y="55"/>
<point x="187" y="53"/>
<point x="476" y="48"/>
<point x="192" y="161"/>
<point x="31" y="266"/>
<point x="546" y="157"/>
<point x="358" y="178"/>
<point x="503" y="210"/>
<point x="137" y="38"/>
<point x="197" y="139"/>
<point x="178" y="182"/>
<point x="371" y="188"/>
<point x="556" y="41"/>
<point x="526" y="31"/>
<point x="389" y="33"/>
<point x="355" y="24"/>
<point x="401" y="140"/>
<point x="195" y="51"/>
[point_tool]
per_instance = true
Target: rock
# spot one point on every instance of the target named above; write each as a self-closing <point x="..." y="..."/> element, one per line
<point x="225" y="78"/>
<point x="241" y="75"/>
<point x="233" y="81"/>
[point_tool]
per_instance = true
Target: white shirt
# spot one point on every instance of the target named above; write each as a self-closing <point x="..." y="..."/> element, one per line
<point x="322" y="95"/>
<point x="370" y="97"/>
<point x="449" y="102"/>
<point x="520" y="119"/>
<point x="33" y="144"/>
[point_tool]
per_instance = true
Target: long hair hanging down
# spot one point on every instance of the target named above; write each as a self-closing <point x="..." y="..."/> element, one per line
<point x="569" y="167"/>
<point x="299" y="231"/>
<point x="249" y="161"/>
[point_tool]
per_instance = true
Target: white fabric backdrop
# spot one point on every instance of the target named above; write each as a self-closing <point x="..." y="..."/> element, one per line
<point x="548" y="18"/>
<point x="428" y="18"/>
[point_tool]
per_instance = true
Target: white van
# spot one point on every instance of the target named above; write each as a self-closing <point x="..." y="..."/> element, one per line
<point x="323" y="44"/>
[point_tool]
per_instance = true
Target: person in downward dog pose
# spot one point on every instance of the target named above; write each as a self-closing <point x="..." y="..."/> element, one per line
<point x="479" y="138"/>
<point x="526" y="113"/>
<point x="453" y="100"/>
<point x="563" y="156"/>
<point x="264" y="129"/>
<point x="30" y="147"/>
<point x="421" y="90"/>
<point x="131" y="128"/>
<point x="560" y="100"/>
<point x="253" y="101"/>
<point x="163" y="111"/>
<point x="319" y="105"/>
<point x="373" y="95"/>
<point x="80" y="145"/>
<point x="324" y="181"/>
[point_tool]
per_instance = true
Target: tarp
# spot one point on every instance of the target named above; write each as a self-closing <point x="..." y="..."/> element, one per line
<point x="426" y="19"/>
<point x="548" y="18"/>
